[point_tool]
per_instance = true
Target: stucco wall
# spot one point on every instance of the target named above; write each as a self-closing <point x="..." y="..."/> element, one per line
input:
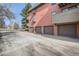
<point x="68" y="16"/>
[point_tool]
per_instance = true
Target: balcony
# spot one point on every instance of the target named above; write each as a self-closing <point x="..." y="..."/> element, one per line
<point x="67" y="16"/>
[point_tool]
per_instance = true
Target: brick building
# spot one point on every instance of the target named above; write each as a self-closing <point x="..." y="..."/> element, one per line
<point x="55" y="19"/>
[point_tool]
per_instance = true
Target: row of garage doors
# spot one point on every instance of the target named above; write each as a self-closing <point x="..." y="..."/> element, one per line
<point x="46" y="30"/>
<point x="63" y="30"/>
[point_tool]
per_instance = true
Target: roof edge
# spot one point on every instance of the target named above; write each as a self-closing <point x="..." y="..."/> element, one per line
<point x="36" y="7"/>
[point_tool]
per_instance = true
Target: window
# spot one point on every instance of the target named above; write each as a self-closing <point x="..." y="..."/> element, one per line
<point x="53" y="13"/>
<point x="34" y="13"/>
<point x="53" y="3"/>
<point x="65" y="10"/>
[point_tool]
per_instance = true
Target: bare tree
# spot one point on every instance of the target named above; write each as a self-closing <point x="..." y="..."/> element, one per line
<point x="5" y="12"/>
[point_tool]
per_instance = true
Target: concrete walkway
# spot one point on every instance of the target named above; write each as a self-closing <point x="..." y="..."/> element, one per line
<point x="29" y="44"/>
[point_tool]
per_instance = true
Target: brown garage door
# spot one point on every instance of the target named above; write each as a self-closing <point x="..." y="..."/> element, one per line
<point x="67" y="30"/>
<point x="31" y="29"/>
<point x="48" y="30"/>
<point x="38" y="30"/>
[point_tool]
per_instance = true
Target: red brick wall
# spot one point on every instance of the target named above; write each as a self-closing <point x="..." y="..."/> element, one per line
<point x="43" y="15"/>
<point x="56" y="8"/>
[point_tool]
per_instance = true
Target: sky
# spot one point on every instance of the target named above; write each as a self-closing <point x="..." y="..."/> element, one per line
<point x="16" y="8"/>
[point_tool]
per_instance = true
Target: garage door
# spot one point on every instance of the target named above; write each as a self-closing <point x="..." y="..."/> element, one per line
<point x="38" y="30"/>
<point x="67" y="30"/>
<point x="31" y="29"/>
<point x="48" y="30"/>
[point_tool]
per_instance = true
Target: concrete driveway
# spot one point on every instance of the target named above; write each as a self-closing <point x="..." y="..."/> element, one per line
<point x="29" y="44"/>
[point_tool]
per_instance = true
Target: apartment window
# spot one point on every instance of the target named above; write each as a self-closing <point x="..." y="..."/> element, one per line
<point x="65" y="10"/>
<point x="53" y="3"/>
<point x="34" y="13"/>
<point x="54" y="13"/>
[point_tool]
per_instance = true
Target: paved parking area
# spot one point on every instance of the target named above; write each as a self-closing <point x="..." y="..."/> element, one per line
<point x="29" y="44"/>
